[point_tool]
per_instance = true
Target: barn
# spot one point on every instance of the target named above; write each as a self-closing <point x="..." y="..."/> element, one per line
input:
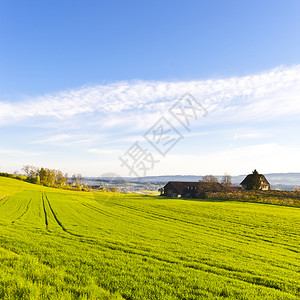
<point x="190" y="189"/>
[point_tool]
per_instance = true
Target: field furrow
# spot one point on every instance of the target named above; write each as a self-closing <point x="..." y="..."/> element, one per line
<point x="26" y="210"/>
<point x="45" y="212"/>
<point x="81" y="246"/>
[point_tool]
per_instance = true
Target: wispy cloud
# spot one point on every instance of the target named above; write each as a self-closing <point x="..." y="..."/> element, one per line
<point x="105" y="120"/>
<point x="261" y="96"/>
<point x="267" y="157"/>
<point x="104" y="151"/>
<point x="70" y="139"/>
<point x="247" y="135"/>
<point x="54" y="138"/>
<point x="18" y="153"/>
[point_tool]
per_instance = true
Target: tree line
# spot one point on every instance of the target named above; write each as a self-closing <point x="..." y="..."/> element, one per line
<point x="253" y="184"/>
<point x="53" y="178"/>
<point x="226" y="180"/>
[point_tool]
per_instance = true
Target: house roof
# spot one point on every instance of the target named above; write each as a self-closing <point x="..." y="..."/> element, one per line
<point x="182" y="187"/>
<point x="246" y="181"/>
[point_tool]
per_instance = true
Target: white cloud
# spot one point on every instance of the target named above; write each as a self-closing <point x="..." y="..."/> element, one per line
<point x="54" y="138"/>
<point x="105" y="119"/>
<point x="18" y="153"/>
<point x="267" y="158"/>
<point x="247" y="135"/>
<point x="66" y="139"/>
<point x="104" y="151"/>
<point x="271" y="94"/>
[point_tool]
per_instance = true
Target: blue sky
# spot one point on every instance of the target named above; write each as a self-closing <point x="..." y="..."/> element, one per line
<point x="82" y="81"/>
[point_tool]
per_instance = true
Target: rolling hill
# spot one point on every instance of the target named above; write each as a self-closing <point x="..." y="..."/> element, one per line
<point x="57" y="244"/>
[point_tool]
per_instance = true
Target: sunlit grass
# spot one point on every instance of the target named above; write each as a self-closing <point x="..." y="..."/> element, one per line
<point x="67" y="245"/>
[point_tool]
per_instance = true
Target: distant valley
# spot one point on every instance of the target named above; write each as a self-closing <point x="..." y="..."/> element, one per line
<point x="281" y="181"/>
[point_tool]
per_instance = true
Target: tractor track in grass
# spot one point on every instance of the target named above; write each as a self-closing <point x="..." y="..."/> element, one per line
<point x="45" y="213"/>
<point x="18" y="208"/>
<point x="206" y="267"/>
<point x="166" y="218"/>
<point x="156" y="216"/>
<point x="27" y="208"/>
<point x="92" y="208"/>
<point x="109" y="214"/>
<point x="2" y="197"/>
<point x="5" y="199"/>
<point x="100" y="211"/>
<point x="58" y="221"/>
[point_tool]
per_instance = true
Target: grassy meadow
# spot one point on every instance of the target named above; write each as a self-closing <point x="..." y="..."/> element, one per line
<point x="57" y="244"/>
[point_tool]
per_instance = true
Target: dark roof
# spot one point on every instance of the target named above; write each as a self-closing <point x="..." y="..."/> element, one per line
<point x="182" y="187"/>
<point x="246" y="181"/>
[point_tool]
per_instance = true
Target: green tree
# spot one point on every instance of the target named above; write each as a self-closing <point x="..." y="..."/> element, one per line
<point x="43" y="175"/>
<point x="78" y="187"/>
<point x="254" y="181"/>
<point x="52" y="177"/>
<point x="60" y="179"/>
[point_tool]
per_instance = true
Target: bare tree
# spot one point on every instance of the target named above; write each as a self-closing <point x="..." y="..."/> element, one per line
<point x="226" y="181"/>
<point x="79" y="179"/>
<point x="210" y="179"/>
<point x="30" y="171"/>
<point x="74" y="179"/>
<point x="67" y="177"/>
<point x="26" y="169"/>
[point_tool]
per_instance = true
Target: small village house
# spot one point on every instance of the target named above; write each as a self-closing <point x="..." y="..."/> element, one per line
<point x="264" y="184"/>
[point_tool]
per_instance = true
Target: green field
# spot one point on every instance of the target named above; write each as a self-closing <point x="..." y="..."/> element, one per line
<point x="57" y="244"/>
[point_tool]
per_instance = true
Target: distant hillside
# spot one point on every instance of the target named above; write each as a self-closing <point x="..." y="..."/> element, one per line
<point x="282" y="181"/>
<point x="273" y="178"/>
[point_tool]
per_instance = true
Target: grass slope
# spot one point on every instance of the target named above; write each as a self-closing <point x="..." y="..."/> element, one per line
<point x="58" y="244"/>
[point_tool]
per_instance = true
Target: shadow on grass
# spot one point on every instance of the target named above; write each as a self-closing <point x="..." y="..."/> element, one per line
<point x="212" y="200"/>
<point x="186" y="199"/>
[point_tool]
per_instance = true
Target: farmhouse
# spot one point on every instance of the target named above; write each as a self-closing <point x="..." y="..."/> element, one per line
<point x="264" y="184"/>
<point x="190" y="189"/>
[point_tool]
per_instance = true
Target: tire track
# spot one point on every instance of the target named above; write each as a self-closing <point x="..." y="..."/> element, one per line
<point x="14" y="212"/>
<point x="205" y="266"/>
<point x="159" y="216"/>
<point x="2" y="197"/>
<point x="5" y="198"/>
<point x="27" y="208"/>
<point x="246" y="237"/>
<point x="58" y="221"/>
<point x="45" y="213"/>
<point x="94" y="208"/>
